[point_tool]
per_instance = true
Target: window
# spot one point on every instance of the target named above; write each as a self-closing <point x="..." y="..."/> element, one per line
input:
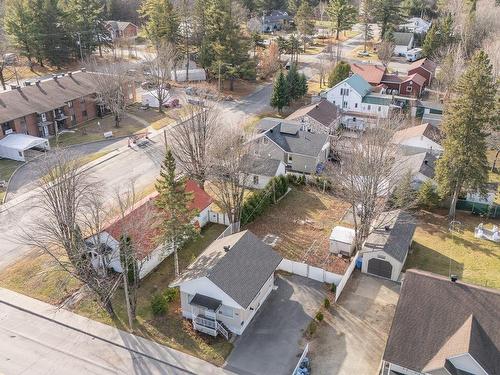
<point x="344" y="92"/>
<point x="333" y="102"/>
<point x="73" y="120"/>
<point x="354" y="119"/>
<point x="409" y="89"/>
<point x="6" y="127"/>
<point x="290" y="158"/>
<point x="82" y="100"/>
<point x="24" y="128"/>
<point x="70" y="104"/>
<point x="379" y="108"/>
<point x="355" y="105"/>
<point x="226" y="311"/>
<point x="345" y="105"/>
<point x="84" y="113"/>
<point x="255" y="180"/>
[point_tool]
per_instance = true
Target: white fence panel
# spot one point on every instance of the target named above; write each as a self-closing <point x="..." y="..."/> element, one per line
<point x="316" y="273"/>
<point x="286" y="265"/>
<point x="346" y="276"/>
<point x="304" y="353"/>
<point x="332" y="278"/>
<point x="300" y="269"/>
<point x="153" y="259"/>
<point x="218" y="218"/>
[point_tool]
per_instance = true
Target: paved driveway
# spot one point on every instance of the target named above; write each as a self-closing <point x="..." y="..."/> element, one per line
<point x="272" y="342"/>
<point x="352" y="339"/>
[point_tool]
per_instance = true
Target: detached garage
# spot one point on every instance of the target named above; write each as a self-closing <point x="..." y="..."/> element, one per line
<point x="386" y="248"/>
<point x="14" y="146"/>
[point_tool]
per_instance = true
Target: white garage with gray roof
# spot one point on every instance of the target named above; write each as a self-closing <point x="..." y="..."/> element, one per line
<point x="386" y="248"/>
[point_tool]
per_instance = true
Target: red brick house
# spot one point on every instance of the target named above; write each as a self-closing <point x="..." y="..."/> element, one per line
<point x="121" y="30"/>
<point x="425" y="67"/>
<point x="41" y="108"/>
<point x="411" y="85"/>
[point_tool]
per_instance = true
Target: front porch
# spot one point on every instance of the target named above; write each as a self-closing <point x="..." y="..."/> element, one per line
<point x="204" y="312"/>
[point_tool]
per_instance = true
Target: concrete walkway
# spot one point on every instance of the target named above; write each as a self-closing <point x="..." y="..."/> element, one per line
<point x="37" y="338"/>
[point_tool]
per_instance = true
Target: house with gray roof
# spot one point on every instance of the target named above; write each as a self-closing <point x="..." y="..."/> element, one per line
<point x="258" y="172"/>
<point x="403" y="42"/>
<point x="121" y="29"/>
<point x="320" y="117"/>
<point x="222" y="290"/>
<point x="443" y="326"/>
<point x="301" y="151"/>
<point x="385" y="250"/>
<point x="421" y="166"/>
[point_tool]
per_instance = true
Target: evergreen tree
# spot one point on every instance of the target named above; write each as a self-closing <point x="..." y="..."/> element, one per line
<point x="404" y="194"/>
<point x="439" y="36"/>
<point x="388" y="14"/>
<point x="427" y="196"/>
<point x="339" y="73"/>
<point x="293" y="81"/>
<point x="161" y="21"/>
<point x="366" y="19"/>
<point x="173" y="202"/>
<point x="304" y="21"/>
<point x="467" y="117"/>
<point x="303" y="86"/>
<point x="342" y="15"/>
<point x="280" y="98"/>
<point x="19" y="24"/>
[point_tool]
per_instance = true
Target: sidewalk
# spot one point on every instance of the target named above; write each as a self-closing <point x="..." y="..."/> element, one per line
<point x="38" y="338"/>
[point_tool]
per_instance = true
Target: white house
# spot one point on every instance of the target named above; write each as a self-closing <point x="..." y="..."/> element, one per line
<point x="420" y="138"/>
<point x="487" y="198"/>
<point x="353" y="95"/>
<point x="403" y="43"/>
<point x="222" y="290"/>
<point x="259" y="171"/>
<point x="140" y="225"/>
<point x="342" y="240"/>
<point x="443" y="326"/>
<point x="420" y="166"/>
<point x="386" y="248"/>
<point x="416" y="25"/>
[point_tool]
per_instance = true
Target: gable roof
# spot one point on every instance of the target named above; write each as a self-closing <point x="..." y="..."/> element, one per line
<point x="276" y="15"/>
<point x="289" y="138"/>
<point x="424" y="130"/>
<point x="394" y="241"/>
<point x="436" y="319"/>
<point x="119" y="25"/>
<point x="140" y="222"/>
<point x="370" y="72"/>
<point x="324" y="112"/>
<point x="425" y="63"/>
<point x="239" y="272"/>
<point x="46" y="95"/>
<point x="358" y="84"/>
<point x="423" y="163"/>
<point x="261" y="166"/>
<point x="417" y="78"/>
<point x="402" y="39"/>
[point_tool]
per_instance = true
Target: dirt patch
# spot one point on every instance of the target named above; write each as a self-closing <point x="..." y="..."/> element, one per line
<point x="302" y="222"/>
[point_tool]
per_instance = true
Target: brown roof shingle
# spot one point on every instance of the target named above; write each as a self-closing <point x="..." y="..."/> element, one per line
<point x="371" y="73"/>
<point x="436" y="319"/>
<point x="427" y="130"/>
<point x="324" y="112"/>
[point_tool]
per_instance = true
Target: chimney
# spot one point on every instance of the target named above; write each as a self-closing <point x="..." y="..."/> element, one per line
<point x="37" y="82"/>
<point x="453" y="278"/>
<point x="70" y="74"/>
<point x="226" y="248"/>
<point x="83" y="70"/>
<point x="387" y="228"/>
<point x="63" y="74"/>
<point x="426" y="162"/>
<point x="54" y="77"/>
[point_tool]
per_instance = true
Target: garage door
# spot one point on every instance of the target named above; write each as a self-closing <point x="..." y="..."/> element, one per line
<point x="380" y="268"/>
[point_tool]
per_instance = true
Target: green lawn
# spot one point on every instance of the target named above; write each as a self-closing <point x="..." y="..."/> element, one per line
<point x="435" y="249"/>
<point x="7" y="168"/>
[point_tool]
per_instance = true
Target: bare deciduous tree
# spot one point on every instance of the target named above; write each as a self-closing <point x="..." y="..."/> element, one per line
<point x="385" y="51"/>
<point x="367" y="175"/>
<point x="72" y="218"/>
<point x="192" y="140"/>
<point x="159" y="66"/>
<point x="113" y="86"/>
<point x="228" y="175"/>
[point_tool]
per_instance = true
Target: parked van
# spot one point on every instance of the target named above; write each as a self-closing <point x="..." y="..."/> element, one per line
<point x="414" y="54"/>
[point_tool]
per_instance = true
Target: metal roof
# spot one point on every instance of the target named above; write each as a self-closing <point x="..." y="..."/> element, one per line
<point x="205" y="301"/>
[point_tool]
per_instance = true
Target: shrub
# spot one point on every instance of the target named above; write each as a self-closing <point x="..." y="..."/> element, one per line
<point x="333" y="288"/>
<point x="427" y="195"/>
<point x="326" y="303"/>
<point x="319" y="316"/>
<point x="170" y="294"/>
<point x="159" y="304"/>
<point x="311" y="328"/>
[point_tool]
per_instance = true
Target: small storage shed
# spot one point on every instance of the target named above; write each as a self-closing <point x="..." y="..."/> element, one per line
<point x="13" y="146"/>
<point x="342" y="241"/>
<point x="195" y="75"/>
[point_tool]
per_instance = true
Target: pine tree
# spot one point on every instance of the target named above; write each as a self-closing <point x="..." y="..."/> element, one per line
<point x="303" y="86"/>
<point x="293" y="83"/>
<point x="161" y="21"/>
<point x="280" y="98"/>
<point x="304" y="21"/>
<point x="339" y="73"/>
<point x="388" y="14"/>
<point x="427" y="196"/>
<point x="366" y="19"/>
<point x="467" y="117"/>
<point x="50" y="32"/>
<point x="19" y="24"/>
<point x="342" y="15"/>
<point x="173" y="202"/>
<point x="404" y="194"/>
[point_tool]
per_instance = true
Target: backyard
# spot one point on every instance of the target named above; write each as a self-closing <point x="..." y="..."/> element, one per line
<point x="39" y="276"/>
<point x="436" y="249"/>
<point x="302" y="222"/>
<point x="7" y="168"/>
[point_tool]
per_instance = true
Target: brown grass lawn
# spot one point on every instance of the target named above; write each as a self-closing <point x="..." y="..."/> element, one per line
<point x="39" y="277"/>
<point x="304" y="220"/>
<point x="7" y="168"/>
<point x="435" y="249"/>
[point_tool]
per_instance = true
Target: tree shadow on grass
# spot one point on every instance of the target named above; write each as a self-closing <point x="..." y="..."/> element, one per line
<point x="427" y="259"/>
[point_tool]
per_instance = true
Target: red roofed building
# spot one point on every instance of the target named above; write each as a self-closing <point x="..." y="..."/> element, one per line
<point x="371" y="73"/>
<point x="425" y="67"/>
<point x="411" y="85"/>
<point x="140" y="224"/>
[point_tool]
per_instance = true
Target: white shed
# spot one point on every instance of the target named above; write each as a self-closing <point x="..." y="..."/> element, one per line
<point x="342" y="240"/>
<point x="195" y="75"/>
<point x="13" y="146"/>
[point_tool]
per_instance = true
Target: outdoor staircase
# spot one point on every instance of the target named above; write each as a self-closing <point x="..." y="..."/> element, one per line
<point x="211" y="326"/>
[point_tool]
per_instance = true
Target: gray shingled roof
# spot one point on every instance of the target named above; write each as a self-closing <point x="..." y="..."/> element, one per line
<point x="437" y="319"/>
<point x="402" y="39"/>
<point x="286" y="134"/>
<point x="423" y="162"/>
<point x="240" y="272"/>
<point x="261" y="166"/>
<point x="324" y="112"/>
<point x="397" y="239"/>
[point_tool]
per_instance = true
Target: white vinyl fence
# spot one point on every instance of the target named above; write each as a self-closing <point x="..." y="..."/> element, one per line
<point x="231" y="229"/>
<point x="347" y="275"/>
<point x="305" y="270"/>
<point x="304" y="353"/>
<point x="218" y="218"/>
